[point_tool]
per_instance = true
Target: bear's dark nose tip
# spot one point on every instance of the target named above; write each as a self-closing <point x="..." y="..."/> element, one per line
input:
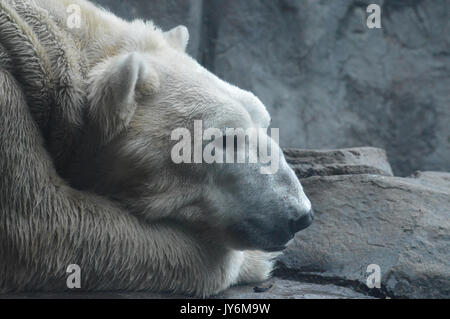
<point x="303" y="222"/>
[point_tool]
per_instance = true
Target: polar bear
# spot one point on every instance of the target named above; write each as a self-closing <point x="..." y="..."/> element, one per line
<point x="133" y="219"/>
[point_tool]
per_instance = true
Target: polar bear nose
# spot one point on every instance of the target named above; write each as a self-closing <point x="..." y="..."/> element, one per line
<point x="296" y="225"/>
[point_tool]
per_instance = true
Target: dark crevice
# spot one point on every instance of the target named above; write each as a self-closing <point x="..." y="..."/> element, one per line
<point x="289" y="274"/>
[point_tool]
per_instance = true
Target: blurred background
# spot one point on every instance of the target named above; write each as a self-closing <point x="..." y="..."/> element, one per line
<point x="327" y="79"/>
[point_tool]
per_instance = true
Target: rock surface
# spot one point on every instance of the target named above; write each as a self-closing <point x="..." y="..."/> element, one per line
<point x="328" y="80"/>
<point x="362" y="160"/>
<point x="281" y="289"/>
<point x="289" y="289"/>
<point x="400" y="224"/>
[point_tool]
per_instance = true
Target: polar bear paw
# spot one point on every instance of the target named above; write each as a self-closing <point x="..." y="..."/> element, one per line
<point x="257" y="266"/>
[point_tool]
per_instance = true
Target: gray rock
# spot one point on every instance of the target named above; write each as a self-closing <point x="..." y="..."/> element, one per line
<point x="330" y="82"/>
<point x="362" y="160"/>
<point x="280" y="289"/>
<point x="400" y="224"/>
<point x="289" y="289"/>
<point x="440" y="180"/>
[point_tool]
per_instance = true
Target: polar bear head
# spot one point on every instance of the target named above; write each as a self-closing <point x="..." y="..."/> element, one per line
<point x="137" y="101"/>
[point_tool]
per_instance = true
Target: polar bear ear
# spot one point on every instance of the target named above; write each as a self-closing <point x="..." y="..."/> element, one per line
<point x="115" y="87"/>
<point x="178" y="37"/>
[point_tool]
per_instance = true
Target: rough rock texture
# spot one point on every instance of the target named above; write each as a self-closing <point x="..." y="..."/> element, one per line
<point x="400" y="224"/>
<point x="281" y="289"/>
<point x="289" y="289"/>
<point x="362" y="160"/>
<point x="327" y="79"/>
<point x="438" y="180"/>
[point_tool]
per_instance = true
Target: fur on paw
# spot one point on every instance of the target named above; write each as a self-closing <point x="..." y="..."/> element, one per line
<point x="257" y="266"/>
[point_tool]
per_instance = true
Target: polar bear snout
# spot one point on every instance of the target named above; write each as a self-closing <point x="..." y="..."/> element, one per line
<point x="285" y="229"/>
<point x="273" y="233"/>
<point x="287" y="221"/>
<point x="301" y="222"/>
